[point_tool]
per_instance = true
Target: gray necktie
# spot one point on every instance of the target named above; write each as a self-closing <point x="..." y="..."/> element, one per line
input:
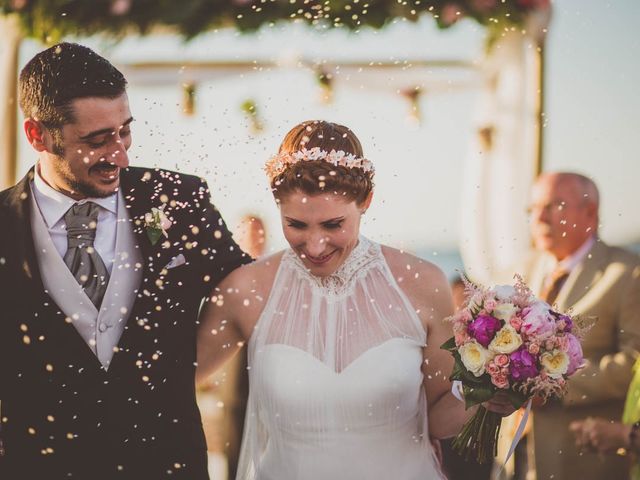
<point x="82" y="258"/>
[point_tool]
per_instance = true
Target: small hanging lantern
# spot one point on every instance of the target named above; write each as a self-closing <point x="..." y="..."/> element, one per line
<point x="413" y="94"/>
<point x="325" y="81"/>
<point x="188" y="98"/>
<point x="250" y="109"/>
<point x="485" y="137"/>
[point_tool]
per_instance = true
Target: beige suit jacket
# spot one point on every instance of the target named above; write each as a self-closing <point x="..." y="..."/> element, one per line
<point x="604" y="289"/>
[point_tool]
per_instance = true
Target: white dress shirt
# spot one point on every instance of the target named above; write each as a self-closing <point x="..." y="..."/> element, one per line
<point x="53" y="205"/>
<point x="568" y="264"/>
<point x="116" y="243"/>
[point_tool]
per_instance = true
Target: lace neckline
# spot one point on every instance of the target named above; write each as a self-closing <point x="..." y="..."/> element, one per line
<point x="364" y="255"/>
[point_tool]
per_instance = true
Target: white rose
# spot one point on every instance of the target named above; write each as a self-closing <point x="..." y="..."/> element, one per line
<point x="504" y="311"/>
<point x="555" y="363"/>
<point x="474" y="357"/>
<point x="507" y="340"/>
<point x="504" y="292"/>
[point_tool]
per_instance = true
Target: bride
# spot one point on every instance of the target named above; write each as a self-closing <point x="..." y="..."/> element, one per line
<point x="347" y="379"/>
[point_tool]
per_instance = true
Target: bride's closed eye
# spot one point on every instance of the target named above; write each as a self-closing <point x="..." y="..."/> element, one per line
<point x="332" y="225"/>
<point x="295" y="224"/>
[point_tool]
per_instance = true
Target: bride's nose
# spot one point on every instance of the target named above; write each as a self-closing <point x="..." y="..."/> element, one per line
<point x="316" y="244"/>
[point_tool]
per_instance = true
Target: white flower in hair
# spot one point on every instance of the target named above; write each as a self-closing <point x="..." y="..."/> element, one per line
<point x="277" y="164"/>
<point x="336" y="157"/>
<point x="315" y="154"/>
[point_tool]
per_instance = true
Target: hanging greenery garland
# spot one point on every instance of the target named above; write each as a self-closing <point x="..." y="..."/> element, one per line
<point x="51" y="20"/>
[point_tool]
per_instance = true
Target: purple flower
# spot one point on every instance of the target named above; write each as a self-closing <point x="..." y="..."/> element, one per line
<point x="483" y="329"/>
<point x="522" y="365"/>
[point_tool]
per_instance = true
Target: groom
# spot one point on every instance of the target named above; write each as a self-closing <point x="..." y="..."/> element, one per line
<point x="102" y="270"/>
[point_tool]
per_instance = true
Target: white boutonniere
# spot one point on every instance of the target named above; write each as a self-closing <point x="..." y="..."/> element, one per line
<point x="156" y="223"/>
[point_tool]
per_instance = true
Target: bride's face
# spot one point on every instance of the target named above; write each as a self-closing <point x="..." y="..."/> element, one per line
<point x="322" y="229"/>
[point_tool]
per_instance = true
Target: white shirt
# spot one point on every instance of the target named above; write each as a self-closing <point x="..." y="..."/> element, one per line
<point x="53" y="205"/>
<point x="572" y="261"/>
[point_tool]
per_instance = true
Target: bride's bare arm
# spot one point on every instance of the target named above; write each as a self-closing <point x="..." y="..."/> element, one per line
<point x="429" y="293"/>
<point x="219" y="334"/>
<point x="231" y="312"/>
<point x="435" y="303"/>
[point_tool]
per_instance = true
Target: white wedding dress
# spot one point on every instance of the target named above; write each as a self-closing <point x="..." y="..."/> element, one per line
<point x="335" y="381"/>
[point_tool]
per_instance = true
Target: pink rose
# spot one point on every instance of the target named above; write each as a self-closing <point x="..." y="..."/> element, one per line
<point x="500" y="380"/>
<point x="501" y="360"/>
<point x="574" y="350"/>
<point x="516" y="323"/>
<point x="537" y="321"/>
<point x="493" y="369"/>
<point x="534" y="348"/>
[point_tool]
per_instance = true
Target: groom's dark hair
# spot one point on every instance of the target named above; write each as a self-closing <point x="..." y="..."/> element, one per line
<point x="60" y="74"/>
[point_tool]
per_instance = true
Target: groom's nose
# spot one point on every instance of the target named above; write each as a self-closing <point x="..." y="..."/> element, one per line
<point x="118" y="156"/>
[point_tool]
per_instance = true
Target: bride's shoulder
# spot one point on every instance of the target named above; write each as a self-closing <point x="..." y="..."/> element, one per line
<point x="407" y="267"/>
<point x="255" y="275"/>
<point x="422" y="281"/>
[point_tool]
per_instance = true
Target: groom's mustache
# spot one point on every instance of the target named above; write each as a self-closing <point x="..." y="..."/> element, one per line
<point x="103" y="166"/>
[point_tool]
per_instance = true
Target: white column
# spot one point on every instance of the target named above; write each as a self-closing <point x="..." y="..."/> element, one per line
<point x="501" y="164"/>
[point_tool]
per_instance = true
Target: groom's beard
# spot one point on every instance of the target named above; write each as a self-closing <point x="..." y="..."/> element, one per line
<point x="80" y="186"/>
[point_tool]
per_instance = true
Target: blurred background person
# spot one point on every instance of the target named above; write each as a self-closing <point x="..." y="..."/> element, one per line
<point x="610" y="438"/>
<point x="250" y="235"/>
<point x="575" y="270"/>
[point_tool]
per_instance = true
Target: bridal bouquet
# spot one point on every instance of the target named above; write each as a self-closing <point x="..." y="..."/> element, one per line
<point x="507" y="340"/>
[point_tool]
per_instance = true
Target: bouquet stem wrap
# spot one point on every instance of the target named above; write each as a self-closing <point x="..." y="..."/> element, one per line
<point x="479" y="437"/>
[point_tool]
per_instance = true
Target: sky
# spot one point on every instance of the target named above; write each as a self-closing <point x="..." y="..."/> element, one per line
<point x="592" y="111"/>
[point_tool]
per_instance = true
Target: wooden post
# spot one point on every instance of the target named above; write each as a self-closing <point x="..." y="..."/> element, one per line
<point x="9" y="49"/>
<point x="540" y="112"/>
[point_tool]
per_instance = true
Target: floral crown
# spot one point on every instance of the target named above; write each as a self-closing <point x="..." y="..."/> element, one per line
<point x="277" y="164"/>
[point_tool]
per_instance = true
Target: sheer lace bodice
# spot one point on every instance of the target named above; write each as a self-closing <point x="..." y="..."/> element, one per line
<point x="335" y="381"/>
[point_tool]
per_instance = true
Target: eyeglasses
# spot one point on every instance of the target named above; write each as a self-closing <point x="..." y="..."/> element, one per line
<point x="555" y="206"/>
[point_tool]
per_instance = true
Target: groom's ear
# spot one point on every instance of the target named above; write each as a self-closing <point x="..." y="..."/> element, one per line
<point x="36" y="134"/>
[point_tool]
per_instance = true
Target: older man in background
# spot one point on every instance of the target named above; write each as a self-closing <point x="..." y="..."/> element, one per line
<point x="575" y="270"/>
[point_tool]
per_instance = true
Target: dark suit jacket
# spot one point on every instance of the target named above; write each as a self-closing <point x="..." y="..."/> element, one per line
<point x="63" y="415"/>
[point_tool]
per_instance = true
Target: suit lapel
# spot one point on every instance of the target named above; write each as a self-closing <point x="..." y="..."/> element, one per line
<point x="587" y="273"/>
<point x="140" y="196"/>
<point x="18" y="205"/>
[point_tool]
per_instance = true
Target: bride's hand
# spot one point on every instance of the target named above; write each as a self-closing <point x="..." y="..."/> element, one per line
<point x="500" y="404"/>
